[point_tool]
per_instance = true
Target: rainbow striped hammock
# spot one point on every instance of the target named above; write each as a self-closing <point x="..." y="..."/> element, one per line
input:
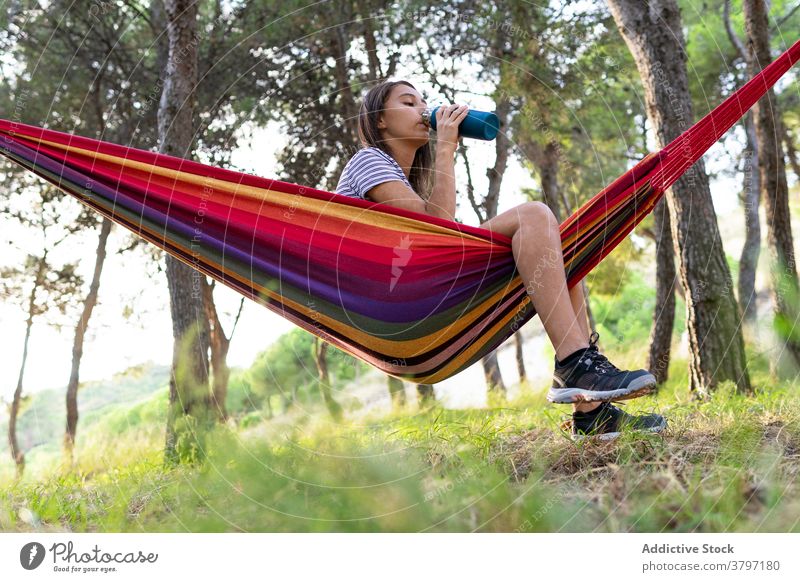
<point x="419" y="297"/>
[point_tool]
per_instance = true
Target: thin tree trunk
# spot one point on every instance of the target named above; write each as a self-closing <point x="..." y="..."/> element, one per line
<point x="748" y="262"/>
<point x="589" y="314"/>
<point x="774" y="187"/>
<point x="751" y="193"/>
<point x="268" y="401"/>
<point x="320" y="353"/>
<point x="397" y="392"/>
<point x="219" y="344"/>
<point x="188" y="390"/>
<point x="88" y="305"/>
<point x="16" y="453"/>
<point x="791" y="152"/>
<point x="547" y="165"/>
<point x="664" y="320"/>
<point x="425" y="395"/>
<point x="77" y="342"/>
<point x="519" y="355"/>
<point x="338" y="42"/>
<point x="491" y="367"/>
<point x="375" y="69"/>
<point x="493" y="376"/>
<point x="652" y="30"/>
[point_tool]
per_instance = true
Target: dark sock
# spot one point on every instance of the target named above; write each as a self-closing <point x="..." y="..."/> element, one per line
<point x="572" y="357"/>
<point x="592" y="412"/>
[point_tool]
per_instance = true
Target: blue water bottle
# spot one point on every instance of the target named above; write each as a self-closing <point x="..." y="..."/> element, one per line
<point x="477" y="124"/>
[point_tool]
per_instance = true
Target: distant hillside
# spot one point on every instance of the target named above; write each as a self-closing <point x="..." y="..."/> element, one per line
<point x="44" y="415"/>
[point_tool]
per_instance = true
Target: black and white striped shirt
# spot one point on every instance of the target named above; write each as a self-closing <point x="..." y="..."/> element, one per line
<point x="369" y="167"/>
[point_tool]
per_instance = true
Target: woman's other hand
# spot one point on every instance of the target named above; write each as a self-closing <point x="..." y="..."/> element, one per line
<point x="448" y="118"/>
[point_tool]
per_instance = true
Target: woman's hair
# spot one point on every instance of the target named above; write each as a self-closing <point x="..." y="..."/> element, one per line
<point x="368" y="133"/>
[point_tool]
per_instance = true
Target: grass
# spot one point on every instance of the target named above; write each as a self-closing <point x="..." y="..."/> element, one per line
<point x="726" y="464"/>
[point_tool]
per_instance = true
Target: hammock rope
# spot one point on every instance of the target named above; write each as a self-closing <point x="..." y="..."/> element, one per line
<point x="419" y="297"/>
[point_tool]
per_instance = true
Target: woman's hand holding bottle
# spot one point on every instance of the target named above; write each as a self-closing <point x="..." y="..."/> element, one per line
<point x="448" y="118"/>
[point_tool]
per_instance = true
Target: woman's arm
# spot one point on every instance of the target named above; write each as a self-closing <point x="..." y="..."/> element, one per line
<point x="443" y="195"/>
<point x="442" y="201"/>
<point x="396" y="193"/>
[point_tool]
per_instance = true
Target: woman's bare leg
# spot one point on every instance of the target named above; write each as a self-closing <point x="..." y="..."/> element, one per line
<point x="536" y="244"/>
<point x="578" y="299"/>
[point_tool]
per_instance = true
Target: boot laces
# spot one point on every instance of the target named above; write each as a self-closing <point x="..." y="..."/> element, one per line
<point x="597" y="359"/>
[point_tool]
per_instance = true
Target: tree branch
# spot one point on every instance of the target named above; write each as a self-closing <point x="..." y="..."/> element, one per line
<point x="735" y="41"/>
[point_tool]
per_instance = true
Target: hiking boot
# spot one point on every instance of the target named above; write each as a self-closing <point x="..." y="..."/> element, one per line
<point x="592" y="377"/>
<point x="607" y="421"/>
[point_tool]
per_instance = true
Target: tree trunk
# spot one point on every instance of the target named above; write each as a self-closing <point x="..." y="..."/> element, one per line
<point x="491" y="368"/>
<point x="425" y="395"/>
<point x="188" y="388"/>
<point x="791" y="152"/>
<point x="16" y="453"/>
<point x="652" y="31"/>
<point x="547" y="165"/>
<point x="320" y="352"/>
<point x="494" y="379"/>
<point x="339" y="41"/>
<point x="219" y="344"/>
<point x="519" y="341"/>
<point x="397" y="392"/>
<point x="774" y="188"/>
<point x="751" y="194"/>
<point x="268" y="401"/>
<point x="664" y="320"/>
<point x="77" y="343"/>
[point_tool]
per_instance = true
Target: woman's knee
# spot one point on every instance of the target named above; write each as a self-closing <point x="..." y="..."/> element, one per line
<point x="536" y="212"/>
<point x="535" y="216"/>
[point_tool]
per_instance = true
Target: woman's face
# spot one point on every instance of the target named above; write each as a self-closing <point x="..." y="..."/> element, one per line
<point x="402" y="118"/>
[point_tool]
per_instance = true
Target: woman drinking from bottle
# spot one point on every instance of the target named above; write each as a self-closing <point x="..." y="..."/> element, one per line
<point x="395" y="167"/>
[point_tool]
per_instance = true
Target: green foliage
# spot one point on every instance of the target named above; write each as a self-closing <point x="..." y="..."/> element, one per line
<point x="241" y="397"/>
<point x="624" y="318"/>
<point x="785" y="324"/>
<point x="191" y="437"/>
<point x="114" y="405"/>
<point x="287" y="362"/>
<point x="288" y="368"/>
<point x="617" y="269"/>
<point x="121" y="419"/>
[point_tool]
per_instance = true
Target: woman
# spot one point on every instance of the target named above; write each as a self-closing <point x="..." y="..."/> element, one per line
<point x="395" y="167"/>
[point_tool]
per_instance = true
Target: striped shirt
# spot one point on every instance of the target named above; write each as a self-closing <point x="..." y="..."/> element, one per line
<point x="369" y="167"/>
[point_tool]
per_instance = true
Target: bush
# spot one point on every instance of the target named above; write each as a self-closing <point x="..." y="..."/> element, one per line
<point x="625" y="317"/>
